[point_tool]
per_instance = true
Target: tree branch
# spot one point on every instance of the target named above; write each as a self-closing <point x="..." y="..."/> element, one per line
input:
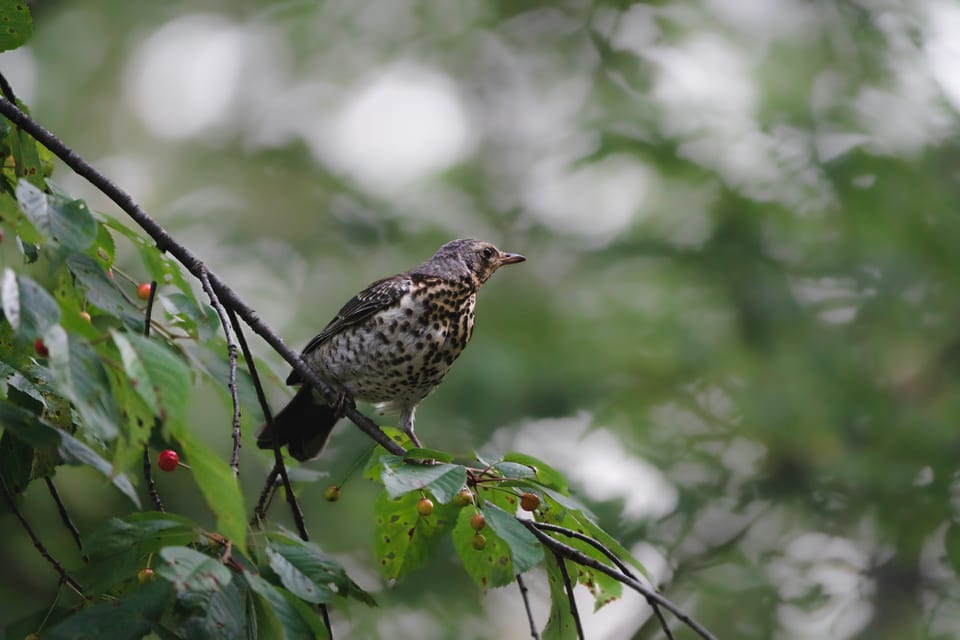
<point x="526" y="605"/>
<point x="568" y="586"/>
<point x="64" y="576"/>
<point x="232" y="353"/>
<point x="544" y="526"/>
<point x="581" y="558"/>
<point x="65" y="517"/>
<point x="192" y="263"/>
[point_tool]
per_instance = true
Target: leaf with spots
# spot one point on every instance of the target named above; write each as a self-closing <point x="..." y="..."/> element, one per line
<point x="159" y="377"/>
<point x="405" y="539"/>
<point x="374" y="467"/>
<point x="102" y="291"/>
<point x="525" y="551"/>
<point x="129" y="617"/>
<point x="190" y="570"/>
<point x="560" y="624"/>
<point x="16" y="25"/>
<point x="489" y="567"/>
<point x="444" y="481"/>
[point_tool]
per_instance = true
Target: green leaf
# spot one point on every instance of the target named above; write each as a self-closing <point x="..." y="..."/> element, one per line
<point x="103" y="249"/>
<point x="79" y="375"/>
<point x="29" y="428"/>
<point x="374" y="466"/>
<point x="147" y="531"/>
<point x="419" y="453"/>
<point x="490" y="567"/>
<point x="525" y="551"/>
<point x="28" y="307"/>
<point x="130" y="617"/>
<point x="560" y="624"/>
<point x="286" y="618"/>
<point x="102" y="291"/>
<point x="191" y="570"/>
<point x="320" y="569"/>
<point x="444" y="481"/>
<point x="295" y="581"/>
<point x="218" y="485"/>
<point x="544" y="473"/>
<point x="219" y="614"/>
<point x="16" y="25"/>
<point x="68" y="223"/>
<point x="16" y="461"/>
<point x="158" y="376"/>
<point x="404" y="540"/>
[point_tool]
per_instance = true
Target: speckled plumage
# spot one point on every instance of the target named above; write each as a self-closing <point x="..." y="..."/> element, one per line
<point x="391" y="344"/>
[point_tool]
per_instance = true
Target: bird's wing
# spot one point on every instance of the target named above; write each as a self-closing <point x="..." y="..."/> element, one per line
<point x="377" y="296"/>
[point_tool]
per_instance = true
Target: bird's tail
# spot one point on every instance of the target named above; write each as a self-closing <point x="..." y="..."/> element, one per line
<point x="304" y="426"/>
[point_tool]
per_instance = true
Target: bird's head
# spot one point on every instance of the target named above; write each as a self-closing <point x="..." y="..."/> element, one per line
<point x="480" y="259"/>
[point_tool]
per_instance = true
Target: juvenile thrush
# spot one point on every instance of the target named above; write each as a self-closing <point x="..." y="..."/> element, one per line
<point x="391" y="344"/>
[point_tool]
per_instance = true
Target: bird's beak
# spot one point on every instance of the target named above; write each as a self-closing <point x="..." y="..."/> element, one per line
<point x="510" y="258"/>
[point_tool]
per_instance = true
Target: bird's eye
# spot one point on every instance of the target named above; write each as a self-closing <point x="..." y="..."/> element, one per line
<point x="487" y="253"/>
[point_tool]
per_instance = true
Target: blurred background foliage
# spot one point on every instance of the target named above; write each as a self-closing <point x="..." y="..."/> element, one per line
<point x="737" y="329"/>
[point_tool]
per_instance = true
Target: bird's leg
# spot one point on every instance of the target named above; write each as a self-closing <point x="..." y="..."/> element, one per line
<point x="340" y="405"/>
<point x="406" y="424"/>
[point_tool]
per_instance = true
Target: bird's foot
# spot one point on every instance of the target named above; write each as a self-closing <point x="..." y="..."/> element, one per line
<point x="343" y="402"/>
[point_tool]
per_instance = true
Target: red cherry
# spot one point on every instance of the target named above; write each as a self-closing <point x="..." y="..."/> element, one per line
<point x="143" y="291"/>
<point x="168" y="460"/>
<point x="40" y="348"/>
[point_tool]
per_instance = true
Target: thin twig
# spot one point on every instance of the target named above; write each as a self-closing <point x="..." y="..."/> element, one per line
<point x="193" y="264"/>
<point x="149" y="311"/>
<point x="266" y="496"/>
<point x="326" y="620"/>
<point x="545" y="526"/>
<point x="64" y="576"/>
<point x="568" y="586"/>
<point x="232" y="352"/>
<point x="526" y="605"/>
<point x="148" y="474"/>
<point x="65" y="517"/>
<point x="581" y="558"/>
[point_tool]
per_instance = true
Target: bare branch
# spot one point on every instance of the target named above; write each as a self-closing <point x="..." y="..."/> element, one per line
<point x="149" y="311"/>
<point x="613" y="558"/>
<point x="65" y="517"/>
<point x="526" y="605"/>
<point x="568" y="586"/>
<point x="581" y="558"/>
<point x="232" y="353"/>
<point x="64" y="576"/>
<point x="148" y="474"/>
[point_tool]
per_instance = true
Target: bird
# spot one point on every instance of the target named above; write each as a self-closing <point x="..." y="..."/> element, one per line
<point x="390" y="345"/>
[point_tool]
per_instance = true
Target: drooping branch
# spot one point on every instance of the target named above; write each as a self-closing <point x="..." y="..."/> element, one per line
<point x="526" y="606"/>
<point x="193" y="264"/>
<point x="596" y="544"/>
<point x="568" y="586"/>
<point x="581" y="558"/>
<point x="64" y="576"/>
<point x="65" y="516"/>
<point x="232" y="354"/>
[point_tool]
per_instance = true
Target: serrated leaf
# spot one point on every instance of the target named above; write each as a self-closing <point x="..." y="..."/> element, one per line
<point x="544" y="473"/>
<point x="190" y="570"/>
<point x="444" y="481"/>
<point x="217" y="483"/>
<point x="490" y="567"/>
<point x="218" y="615"/>
<point x="158" y="376"/>
<point x="31" y="429"/>
<point x="147" y="531"/>
<point x="374" y="466"/>
<point x="130" y="617"/>
<point x="78" y="375"/>
<point x="289" y="620"/>
<point x="29" y="309"/>
<point x="525" y="551"/>
<point x="321" y="569"/>
<point x="295" y="581"/>
<point x="101" y="291"/>
<point x="419" y="453"/>
<point x="16" y="25"/>
<point x="68" y="223"/>
<point x="404" y="540"/>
